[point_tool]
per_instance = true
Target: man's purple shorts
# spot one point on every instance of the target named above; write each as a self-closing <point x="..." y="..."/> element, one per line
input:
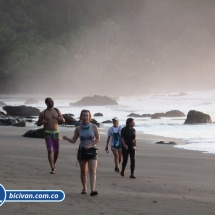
<point x="52" y="141"/>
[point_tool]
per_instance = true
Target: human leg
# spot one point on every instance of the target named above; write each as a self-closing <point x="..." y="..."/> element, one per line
<point x="56" y="146"/>
<point x="51" y="160"/>
<point x="132" y="159"/>
<point x="84" y="171"/>
<point x="49" y="146"/>
<point x="120" y="155"/>
<point x="92" y="164"/>
<point x="125" y="154"/>
<point x="55" y="157"/>
<point x="116" y="159"/>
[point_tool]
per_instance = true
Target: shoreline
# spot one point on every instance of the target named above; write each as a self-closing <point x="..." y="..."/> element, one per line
<point x="170" y="181"/>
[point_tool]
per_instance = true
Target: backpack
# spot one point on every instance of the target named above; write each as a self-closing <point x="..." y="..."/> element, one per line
<point x="116" y="139"/>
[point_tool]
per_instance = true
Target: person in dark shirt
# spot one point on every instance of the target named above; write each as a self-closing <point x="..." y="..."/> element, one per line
<point x="128" y="137"/>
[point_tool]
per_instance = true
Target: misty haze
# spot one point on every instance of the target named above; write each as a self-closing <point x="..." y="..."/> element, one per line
<point x="106" y="47"/>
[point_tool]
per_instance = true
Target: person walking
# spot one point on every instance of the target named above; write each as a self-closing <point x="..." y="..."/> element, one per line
<point x="114" y="138"/>
<point x="49" y="118"/>
<point x="128" y="137"/>
<point x="87" y="156"/>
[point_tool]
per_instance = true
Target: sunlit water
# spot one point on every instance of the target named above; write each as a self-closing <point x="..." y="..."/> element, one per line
<point x="199" y="137"/>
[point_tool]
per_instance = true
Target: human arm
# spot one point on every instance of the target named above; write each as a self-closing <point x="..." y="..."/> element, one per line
<point x="123" y="140"/>
<point x="123" y="143"/>
<point x="41" y="119"/>
<point x="75" y="136"/>
<point x="97" y="137"/>
<point x="108" y="140"/>
<point x="134" y="141"/>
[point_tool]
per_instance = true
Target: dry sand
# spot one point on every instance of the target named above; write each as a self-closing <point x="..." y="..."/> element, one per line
<point x="170" y="180"/>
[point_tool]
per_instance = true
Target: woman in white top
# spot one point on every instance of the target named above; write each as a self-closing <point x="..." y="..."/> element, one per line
<point x="114" y="134"/>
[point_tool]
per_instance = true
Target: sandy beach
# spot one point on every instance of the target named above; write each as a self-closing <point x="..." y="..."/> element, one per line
<point x="169" y="180"/>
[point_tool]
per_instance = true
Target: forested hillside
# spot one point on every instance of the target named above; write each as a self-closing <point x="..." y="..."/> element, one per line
<point x="106" y="46"/>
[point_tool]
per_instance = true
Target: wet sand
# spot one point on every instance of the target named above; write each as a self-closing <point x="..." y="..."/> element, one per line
<point x="169" y="180"/>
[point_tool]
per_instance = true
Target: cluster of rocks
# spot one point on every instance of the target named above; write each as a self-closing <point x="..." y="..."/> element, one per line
<point x="170" y="143"/>
<point x="96" y="100"/>
<point x="172" y="113"/>
<point x="2" y="115"/>
<point x="14" y="122"/>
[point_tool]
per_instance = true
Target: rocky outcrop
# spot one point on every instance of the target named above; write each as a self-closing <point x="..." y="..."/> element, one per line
<point x="69" y="120"/>
<point x="139" y="115"/>
<point x="2" y="115"/>
<point x="162" y="142"/>
<point x="93" y="121"/>
<point x="39" y="133"/>
<point x="21" y="110"/>
<point x="194" y="117"/>
<point x="108" y="121"/>
<point x="96" y="100"/>
<point x="31" y="101"/>
<point x="158" y="115"/>
<point x="172" y="113"/>
<point x="180" y="94"/>
<point x="13" y="122"/>
<point x="98" y="114"/>
<point x="155" y="117"/>
<point x="2" y="104"/>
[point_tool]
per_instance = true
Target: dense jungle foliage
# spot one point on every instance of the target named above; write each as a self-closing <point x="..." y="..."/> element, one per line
<point x="109" y="45"/>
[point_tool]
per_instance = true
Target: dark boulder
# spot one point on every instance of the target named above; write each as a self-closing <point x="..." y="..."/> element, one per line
<point x="2" y="104"/>
<point x="93" y="121"/>
<point x="158" y="115"/>
<point x="21" y="124"/>
<point x="13" y="122"/>
<point x="6" y="122"/>
<point x="146" y="115"/>
<point x="170" y="143"/>
<point x="194" y="117"/>
<point x="2" y="115"/>
<point x="39" y="133"/>
<point x="31" y="101"/>
<point x="96" y="100"/>
<point x="155" y="117"/>
<point x="174" y="113"/>
<point x="134" y="115"/>
<point x="77" y="123"/>
<point x="69" y="120"/>
<point x="108" y="121"/>
<point x="98" y="114"/>
<point x="21" y="110"/>
<point x="139" y="115"/>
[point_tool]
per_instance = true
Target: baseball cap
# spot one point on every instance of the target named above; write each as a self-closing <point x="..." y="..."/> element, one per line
<point x="115" y="118"/>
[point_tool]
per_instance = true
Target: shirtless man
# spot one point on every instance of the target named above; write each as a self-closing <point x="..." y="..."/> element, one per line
<point x="49" y="118"/>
